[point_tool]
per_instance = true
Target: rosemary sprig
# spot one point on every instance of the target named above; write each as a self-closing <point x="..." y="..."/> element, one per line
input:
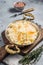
<point x="32" y="57"/>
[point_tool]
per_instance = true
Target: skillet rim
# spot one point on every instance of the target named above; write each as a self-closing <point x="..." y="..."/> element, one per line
<point x="35" y="25"/>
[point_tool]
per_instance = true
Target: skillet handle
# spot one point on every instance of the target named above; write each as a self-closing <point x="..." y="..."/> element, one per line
<point x="3" y="53"/>
<point x="28" y="16"/>
<point x="11" y="49"/>
<point x="42" y="32"/>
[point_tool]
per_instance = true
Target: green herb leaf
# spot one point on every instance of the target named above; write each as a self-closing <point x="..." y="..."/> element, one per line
<point x="32" y="56"/>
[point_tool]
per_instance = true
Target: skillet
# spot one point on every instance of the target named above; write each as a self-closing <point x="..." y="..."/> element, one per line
<point x="22" y="48"/>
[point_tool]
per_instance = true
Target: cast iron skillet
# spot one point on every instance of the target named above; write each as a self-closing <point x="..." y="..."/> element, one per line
<point x="3" y="52"/>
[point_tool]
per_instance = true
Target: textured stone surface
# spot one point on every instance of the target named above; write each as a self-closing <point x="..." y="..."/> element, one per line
<point x="6" y="10"/>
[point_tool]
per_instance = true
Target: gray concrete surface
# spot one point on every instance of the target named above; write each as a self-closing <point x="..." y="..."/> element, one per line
<point x="5" y="6"/>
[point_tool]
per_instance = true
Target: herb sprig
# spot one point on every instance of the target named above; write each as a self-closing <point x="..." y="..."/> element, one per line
<point x="32" y="57"/>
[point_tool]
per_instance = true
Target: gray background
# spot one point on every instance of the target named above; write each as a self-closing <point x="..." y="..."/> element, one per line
<point x="6" y="11"/>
